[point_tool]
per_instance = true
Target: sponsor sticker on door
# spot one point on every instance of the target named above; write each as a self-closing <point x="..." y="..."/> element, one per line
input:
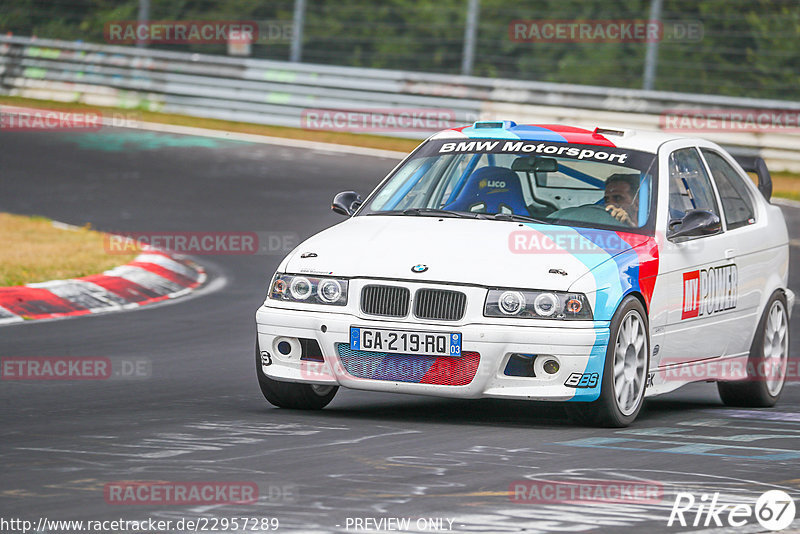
<point x="709" y="291"/>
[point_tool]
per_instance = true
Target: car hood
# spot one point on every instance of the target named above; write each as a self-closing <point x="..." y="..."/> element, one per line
<point x="464" y="251"/>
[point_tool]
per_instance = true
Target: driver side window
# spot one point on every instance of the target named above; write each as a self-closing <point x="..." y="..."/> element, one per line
<point x="689" y="185"/>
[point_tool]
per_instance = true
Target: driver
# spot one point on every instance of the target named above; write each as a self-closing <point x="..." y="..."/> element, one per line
<point x="621" y="199"/>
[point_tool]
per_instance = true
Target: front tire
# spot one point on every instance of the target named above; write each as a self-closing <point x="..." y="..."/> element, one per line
<point x="624" y="373"/>
<point x="767" y="363"/>
<point x="292" y="395"/>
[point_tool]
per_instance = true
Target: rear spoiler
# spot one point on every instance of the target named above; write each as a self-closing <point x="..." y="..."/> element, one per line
<point x="757" y="165"/>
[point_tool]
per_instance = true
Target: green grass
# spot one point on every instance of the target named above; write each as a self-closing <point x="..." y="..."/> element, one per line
<point x="34" y="250"/>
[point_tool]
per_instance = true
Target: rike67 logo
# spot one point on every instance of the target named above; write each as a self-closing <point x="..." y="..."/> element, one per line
<point x="774" y="510"/>
<point x="707" y="291"/>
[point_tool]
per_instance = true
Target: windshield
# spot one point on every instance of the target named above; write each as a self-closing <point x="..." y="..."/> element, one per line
<point x="558" y="183"/>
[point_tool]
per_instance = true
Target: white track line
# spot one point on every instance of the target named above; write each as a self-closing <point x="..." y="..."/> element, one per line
<point x="267" y="140"/>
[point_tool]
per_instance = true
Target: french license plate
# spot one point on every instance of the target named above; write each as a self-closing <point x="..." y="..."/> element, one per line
<point x="405" y="342"/>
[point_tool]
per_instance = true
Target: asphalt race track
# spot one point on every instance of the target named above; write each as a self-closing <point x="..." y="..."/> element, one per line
<point x="196" y="413"/>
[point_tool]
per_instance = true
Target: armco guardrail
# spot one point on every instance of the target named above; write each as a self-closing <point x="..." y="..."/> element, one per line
<point x="279" y="93"/>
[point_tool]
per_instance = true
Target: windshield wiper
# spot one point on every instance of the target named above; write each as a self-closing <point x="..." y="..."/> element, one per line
<point x="443" y="213"/>
<point x="517" y="218"/>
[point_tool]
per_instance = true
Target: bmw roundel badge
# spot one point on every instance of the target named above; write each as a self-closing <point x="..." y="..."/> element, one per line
<point x="419" y="268"/>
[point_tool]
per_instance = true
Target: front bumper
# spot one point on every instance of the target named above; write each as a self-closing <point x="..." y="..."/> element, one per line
<point x="578" y="349"/>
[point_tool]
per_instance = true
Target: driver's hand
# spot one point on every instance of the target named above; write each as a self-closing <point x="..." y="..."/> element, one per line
<point x="620" y="214"/>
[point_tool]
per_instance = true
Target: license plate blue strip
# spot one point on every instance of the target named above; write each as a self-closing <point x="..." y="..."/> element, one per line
<point x="455" y="344"/>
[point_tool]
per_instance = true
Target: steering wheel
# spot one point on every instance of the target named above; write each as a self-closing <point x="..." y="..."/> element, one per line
<point x="590" y="213"/>
<point x="604" y="216"/>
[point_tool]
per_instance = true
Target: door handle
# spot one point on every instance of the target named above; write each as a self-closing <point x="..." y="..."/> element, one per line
<point x="729" y="253"/>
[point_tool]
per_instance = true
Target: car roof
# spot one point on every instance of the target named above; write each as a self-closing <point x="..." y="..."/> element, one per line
<point x="647" y="141"/>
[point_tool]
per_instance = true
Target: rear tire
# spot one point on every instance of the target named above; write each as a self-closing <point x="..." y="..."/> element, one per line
<point x="624" y="373"/>
<point x="292" y="395"/>
<point x="767" y="363"/>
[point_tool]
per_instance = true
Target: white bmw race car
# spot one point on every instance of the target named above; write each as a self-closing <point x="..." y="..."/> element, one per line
<point x="539" y="262"/>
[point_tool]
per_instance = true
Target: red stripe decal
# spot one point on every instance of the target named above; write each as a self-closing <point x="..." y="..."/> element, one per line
<point x="647" y="250"/>
<point x="580" y="136"/>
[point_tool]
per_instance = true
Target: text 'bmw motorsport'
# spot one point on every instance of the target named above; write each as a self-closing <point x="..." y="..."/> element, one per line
<point x="537" y="148"/>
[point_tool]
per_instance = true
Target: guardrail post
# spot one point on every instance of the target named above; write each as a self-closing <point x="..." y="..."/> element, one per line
<point x="296" y="50"/>
<point x="13" y="68"/>
<point x="470" y="31"/>
<point x="651" y="56"/>
<point x="144" y="17"/>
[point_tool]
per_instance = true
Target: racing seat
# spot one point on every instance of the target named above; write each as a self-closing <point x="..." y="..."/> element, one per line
<point x="491" y="190"/>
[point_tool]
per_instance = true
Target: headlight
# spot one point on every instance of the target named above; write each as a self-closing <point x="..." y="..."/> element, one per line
<point x="296" y="288"/>
<point x="537" y="305"/>
<point x="300" y="288"/>
<point x="329" y="290"/>
<point x="511" y="302"/>
<point x="546" y="304"/>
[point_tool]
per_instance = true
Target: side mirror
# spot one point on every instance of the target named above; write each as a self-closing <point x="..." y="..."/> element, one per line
<point x="695" y="223"/>
<point x="346" y="203"/>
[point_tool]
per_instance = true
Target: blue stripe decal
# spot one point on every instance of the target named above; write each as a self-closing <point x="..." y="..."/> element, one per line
<point x="520" y="133"/>
<point x="537" y="133"/>
<point x="613" y="280"/>
<point x="489" y="133"/>
<point x="619" y="279"/>
<point x="595" y="364"/>
<point x="589" y="252"/>
<point x="644" y="198"/>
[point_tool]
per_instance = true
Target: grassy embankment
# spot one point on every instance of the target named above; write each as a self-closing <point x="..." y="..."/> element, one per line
<point x="35" y="250"/>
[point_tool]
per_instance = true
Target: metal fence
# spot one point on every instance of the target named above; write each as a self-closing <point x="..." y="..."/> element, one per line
<point x="281" y="93"/>
<point x="745" y="48"/>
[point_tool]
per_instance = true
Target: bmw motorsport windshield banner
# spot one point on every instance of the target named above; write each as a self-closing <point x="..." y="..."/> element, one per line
<point x="607" y="154"/>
